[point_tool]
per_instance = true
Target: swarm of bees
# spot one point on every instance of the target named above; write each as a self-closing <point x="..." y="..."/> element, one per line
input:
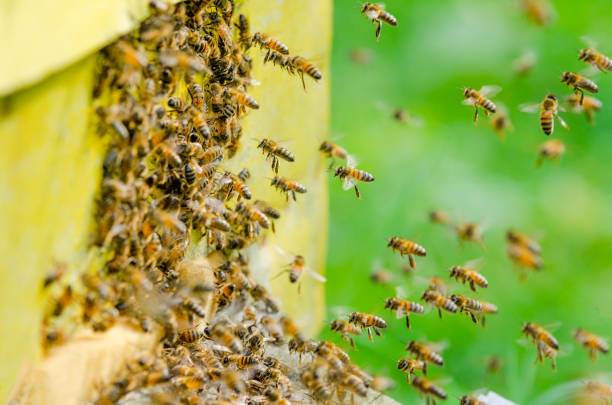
<point x="169" y="97"/>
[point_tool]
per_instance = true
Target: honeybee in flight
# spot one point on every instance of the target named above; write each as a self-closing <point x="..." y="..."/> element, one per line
<point x="550" y="150"/>
<point x="579" y="83"/>
<point x="296" y="268"/>
<point x="520" y="239"/>
<point x="409" y="366"/>
<point x="407" y="247"/>
<point x="288" y="186"/>
<point x="369" y="322"/>
<point x="591" y="342"/>
<point x="599" y="60"/>
<point x="466" y="274"/>
<point x="549" y="110"/>
<point x="381" y="276"/>
<point x="470" y="232"/>
<point x="377" y="14"/>
<point x="275" y="151"/>
<point x="474" y="308"/>
<point x="501" y="123"/>
<point x="599" y="390"/>
<point x="404" y="308"/>
<point x="437" y="284"/>
<point x="345" y="328"/>
<point x="470" y="400"/>
<point x="539" y="334"/>
<point x="589" y="106"/>
<point x="439" y="301"/>
<point x="428" y="389"/>
<point x="271" y="44"/>
<point x="540" y="12"/>
<point x="303" y="65"/>
<point x="524" y="257"/>
<point x="350" y="175"/>
<point x="439" y="217"/>
<point x="333" y="150"/>
<point x="479" y="98"/>
<point x="524" y="64"/>
<point x="545" y="351"/>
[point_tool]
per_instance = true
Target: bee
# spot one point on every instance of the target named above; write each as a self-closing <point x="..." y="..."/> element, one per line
<point x="192" y="335"/>
<point x="428" y="389"/>
<point x="275" y="152"/>
<point x="361" y="56"/>
<point x="319" y="389"/>
<point x="378" y="15"/>
<point x="244" y="35"/>
<point x="326" y="349"/>
<point x="223" y="335"/>
<point x="275" y="397"/>
<point x="237" y="185"/>
<point x="579" y="83"/>
<point x="439" y="301"/>
<point x="269" y="43"/>
<point x="539" y="334"/>
<point x="253" y="214"/>
<point x="302" y="65"/>
<point x="381" y="383"/>
<point x="350" y="382"/>
<point x="288" y="186"/>
<point x="243" y="98"/>
<point x="409" y="366"/>
<point x="297" y="267"/>
<point x="64" y="300"/>
<point x="407" y="247"/>
<point x="345" y="328"/>
<point x="193" y="306"/>
<point x="478" y="98"/>
<point x="169" y="220"/>
<point x="201" y="124"/>
<point x="470" y="400"/>
<point x="471" y="306"/>
<point x="303" y="346"/>
<point x="233" y="381"/>
<point x="332" y="150"/>
<point x="500" y="123"/>
<point x="494" y="364"/>
<point x="241" y="361"/>
<point x="599" y="389"/>
<point x="423" y="352"/>
<point x="350" y="175"/>
<point x="591" y="342"/>
<point x="439" y="217"/>
<point x="369" y="322"/>
<point x="520" y="239"/>
<point x="381" y="276"/>
<point x="290" y="327"/>
<point x="269" y="211"/>
<point x="470" y="232"/>
<point x="524" y="257"/>
<point x="589" y="106"/>
<point x="470" y="276"/>
<point x="524" y="64"/>
<point x="599" y="60"/>
<point x="538" y="11"/>
<point x="273" y="329"/>
<point x="404" y="307"/>
<point x="437" y="284"/>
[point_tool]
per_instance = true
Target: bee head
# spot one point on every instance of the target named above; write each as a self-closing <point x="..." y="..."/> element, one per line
<point x="566" y="77"/>
<point x="388" y="302"/>
<point x="467" y="91"/>
<point x="365" y="7"/>
<point x="392" y="241"/>
<point x="582" y="55"/>
<point x="410" y="345"/>
<point x="401" y="363"/>
<point x="453" y="271"/>
<point x="339" y="171"/>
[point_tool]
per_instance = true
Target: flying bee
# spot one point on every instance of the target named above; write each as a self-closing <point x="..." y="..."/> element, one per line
<point x="288" y="186"/>
<point x="404" y="308"/>
<point x="439" y="217"/>
<point x="470" y="400"/>
<point x="369" y="322"/>
<point x="591" y="342"/>
<point x="465" y="274"/>
<point x="478" y="98"/>
<point x="350" y="382"/>
<point x="409" y="366"/>
<point x="407" y="247"/>
<point x="428" y="389"/>
<point x="548" y="112"/>
<point x="599" y="60"/>
<point x="304" y="66"/>
<point x="473" y="307"/>
<point x="437" y="284"/>
<point x="469" y="232"/>
<point x="439" y="301"/>
<point x="296" y="268"/>
<point x="361" y="56"/>
<point x="269" y="43"/>
<point x="524" y="64"/>
<point x="540" y="12"/>
<point x="539" y="334"/>
<point x="377" y="14"/>
<point x="524" y="257"/>
<point x="332" y="150"/>
<point x="275" y="151"/>
<point x="501" y="123"/>
<point x="345" y="328"/>
<point x="589" y="106"/>
<point x="243" y="98"/>
<point x="599" y="390"/>
<point x="579" y="83"/>
<point x="381" y="276"/>
<point x="350" y="175"/>
<point x="520" y="239"/>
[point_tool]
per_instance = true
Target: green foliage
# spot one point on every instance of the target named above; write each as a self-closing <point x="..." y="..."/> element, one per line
<point x="450" y="164"/>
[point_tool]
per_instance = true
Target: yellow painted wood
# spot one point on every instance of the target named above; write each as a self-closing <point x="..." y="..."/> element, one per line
<point x="50" y="160"/>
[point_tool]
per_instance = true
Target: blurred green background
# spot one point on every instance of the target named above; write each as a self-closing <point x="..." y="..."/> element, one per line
<point x="450" y="164"/>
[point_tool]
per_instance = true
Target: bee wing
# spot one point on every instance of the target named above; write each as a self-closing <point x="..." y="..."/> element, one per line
<point x="475" y="264"/>
<point x="340" y="311"/>
<point x="590" y="42"/>
<point x="351" y="161"/>
<point x="400" y="292"/>
<point x="348" y="183"/>
<point x="312" y="273"/>
<point x="530" y="108"/>
<point x="490" y="91"/>
<point x="590" y="70"/>
<point x="283" y="252"/>
<point x="469" y="101"/>
<point x="553" y="326"/>
<point x="563" y="123"/>
<point x="438" y="347"/>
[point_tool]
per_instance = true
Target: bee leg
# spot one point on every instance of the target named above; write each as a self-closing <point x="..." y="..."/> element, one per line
<point x="352" y="342"/>
<point x="370" y="335"/>
<point x="357" y="193"/>
<point x="483" y="321"/>
<point x="554" y="364"/>
<point x="412" y="262"/>
<point x="425" y="368"/>
<point x="293" y="194"/>
<point x="407" y="322"/>
<point x="472" y="287"/>
<point x="377" y="331"/>
<point x="299" y="288"/>
<point x="440" y="313"/>
<point x="475" y="114"/>
<point x="408" y="378"/>
<point x="589" y="116"/>
<point x="581" y="96"/>
<point x="473" y="318"/>
<point x="303" y="82"/>
<point x="378" y="30"/>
